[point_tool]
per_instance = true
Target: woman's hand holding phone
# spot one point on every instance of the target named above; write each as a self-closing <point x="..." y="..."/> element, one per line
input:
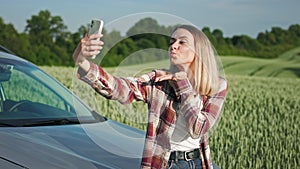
<point x="94" y="33"/>
<point x="91" y="46"/>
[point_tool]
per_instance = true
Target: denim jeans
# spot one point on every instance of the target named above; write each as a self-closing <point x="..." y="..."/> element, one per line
<point x="192" y="164"/>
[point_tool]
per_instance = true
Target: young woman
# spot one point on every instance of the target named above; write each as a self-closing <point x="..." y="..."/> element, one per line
<point x="184" y="102"/>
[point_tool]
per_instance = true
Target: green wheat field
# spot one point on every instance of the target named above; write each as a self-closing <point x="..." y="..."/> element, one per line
<point x="259" y="127"/>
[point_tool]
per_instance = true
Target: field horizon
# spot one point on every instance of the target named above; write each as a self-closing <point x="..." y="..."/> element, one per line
<point x="287" y="65"/>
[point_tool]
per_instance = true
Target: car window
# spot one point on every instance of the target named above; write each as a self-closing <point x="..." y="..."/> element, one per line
<point x="23" y="87"/>
<point x="27" y="92"/>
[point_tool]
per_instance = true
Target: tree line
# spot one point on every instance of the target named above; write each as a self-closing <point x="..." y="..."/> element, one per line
<point x="47" y="41"/>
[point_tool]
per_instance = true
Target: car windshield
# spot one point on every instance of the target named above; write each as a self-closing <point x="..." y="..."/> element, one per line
<point x="30" y="97"/>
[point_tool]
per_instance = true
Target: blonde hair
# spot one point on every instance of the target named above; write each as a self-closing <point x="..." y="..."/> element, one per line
<point x="204" y="67"/>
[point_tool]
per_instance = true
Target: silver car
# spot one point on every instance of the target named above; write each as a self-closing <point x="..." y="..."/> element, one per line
<point x="44" y="125"/>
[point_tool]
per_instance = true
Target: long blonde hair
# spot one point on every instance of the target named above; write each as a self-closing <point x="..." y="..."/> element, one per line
<point x="204" y="67"/>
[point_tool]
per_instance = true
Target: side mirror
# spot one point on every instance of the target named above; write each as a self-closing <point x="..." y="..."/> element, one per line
<point x="5" y="72"/>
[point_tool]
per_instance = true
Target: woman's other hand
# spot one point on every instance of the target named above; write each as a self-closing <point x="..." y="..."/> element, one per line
<point x="162" y="75"/>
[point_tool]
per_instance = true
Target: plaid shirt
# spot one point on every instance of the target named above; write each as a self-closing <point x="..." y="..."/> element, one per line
<point x="163" y="103"/>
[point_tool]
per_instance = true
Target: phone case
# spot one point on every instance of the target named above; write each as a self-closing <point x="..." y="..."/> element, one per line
<point x="95" y="27"/>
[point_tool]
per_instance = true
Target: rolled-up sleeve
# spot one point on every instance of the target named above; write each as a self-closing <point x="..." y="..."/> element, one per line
<point x="125" y="90"/>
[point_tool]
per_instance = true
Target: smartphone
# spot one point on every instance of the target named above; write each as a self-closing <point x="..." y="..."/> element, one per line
<point x="95" y="27"/>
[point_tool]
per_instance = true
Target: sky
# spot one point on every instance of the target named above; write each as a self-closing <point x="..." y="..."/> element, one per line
<point x="233" y="17"/>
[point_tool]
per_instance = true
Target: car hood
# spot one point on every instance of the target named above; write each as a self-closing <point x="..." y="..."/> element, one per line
<point x="98" y="145"/>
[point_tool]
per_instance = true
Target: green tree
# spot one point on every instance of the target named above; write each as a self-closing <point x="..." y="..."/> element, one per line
<point x="147" y="25"/>
<point x="17" y="43"/>
<point x="294" y="30"/>
<point x="218" y="36"/>
<point x="8" y="35"/>
<point x="44" y="28"/>
<point x="207" y="32"/>
<point x="50" y="34"/>
<point x="111" y="38"/>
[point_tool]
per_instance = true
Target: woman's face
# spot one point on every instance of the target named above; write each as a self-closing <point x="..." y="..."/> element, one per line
<point x="182" y="49"/>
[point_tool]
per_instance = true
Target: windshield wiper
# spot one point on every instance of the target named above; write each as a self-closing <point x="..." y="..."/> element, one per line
<point x="50" y="122"/>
